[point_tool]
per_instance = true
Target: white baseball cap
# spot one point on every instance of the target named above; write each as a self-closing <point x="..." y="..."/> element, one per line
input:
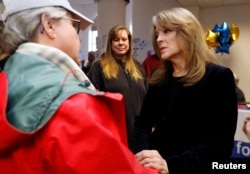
<point x="14" y="6"/>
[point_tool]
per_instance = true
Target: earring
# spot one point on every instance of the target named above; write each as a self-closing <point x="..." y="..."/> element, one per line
<point x="41" y="29"/>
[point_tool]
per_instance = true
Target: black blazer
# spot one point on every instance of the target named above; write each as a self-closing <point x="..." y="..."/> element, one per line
<point x="193" y="125"/>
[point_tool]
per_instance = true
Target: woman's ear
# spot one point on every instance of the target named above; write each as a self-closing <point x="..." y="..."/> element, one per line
<point x="47" y="26"/>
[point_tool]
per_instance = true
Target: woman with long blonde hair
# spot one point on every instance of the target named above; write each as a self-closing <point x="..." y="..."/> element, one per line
<point x="188" y="101"/>
<point x="118" y="71"/>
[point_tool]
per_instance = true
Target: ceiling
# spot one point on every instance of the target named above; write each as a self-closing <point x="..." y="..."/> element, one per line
<point x="185" y="3"/>
<point x="212" y="3"/>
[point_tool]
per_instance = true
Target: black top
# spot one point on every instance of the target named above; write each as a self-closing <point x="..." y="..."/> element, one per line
<point x="133" y="91"/>
<point x="193" y="125"/>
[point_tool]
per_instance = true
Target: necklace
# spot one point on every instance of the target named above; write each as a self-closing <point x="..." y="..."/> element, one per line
<point x="180" y="73"/>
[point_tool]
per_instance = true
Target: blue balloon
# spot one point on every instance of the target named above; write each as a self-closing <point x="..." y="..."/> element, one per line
<point x="223" y="31"/>
<point x="223" y="49"/>
<point x="224" y="36"/>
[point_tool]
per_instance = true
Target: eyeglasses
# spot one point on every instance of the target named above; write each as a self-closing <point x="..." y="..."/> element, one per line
<point x="76" y="23"/>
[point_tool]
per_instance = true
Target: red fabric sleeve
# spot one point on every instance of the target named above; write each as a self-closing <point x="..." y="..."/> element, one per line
<point x="87" y="135"/>
<point x="12" y="135"/>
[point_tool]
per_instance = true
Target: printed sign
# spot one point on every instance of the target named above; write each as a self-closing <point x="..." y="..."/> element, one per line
<point x="242" y="136"/>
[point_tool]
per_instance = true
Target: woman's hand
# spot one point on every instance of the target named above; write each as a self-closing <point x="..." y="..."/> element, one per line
<point x="152" y="159"/>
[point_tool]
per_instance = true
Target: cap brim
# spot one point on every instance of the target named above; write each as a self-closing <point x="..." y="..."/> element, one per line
<point x="85" y="22"/>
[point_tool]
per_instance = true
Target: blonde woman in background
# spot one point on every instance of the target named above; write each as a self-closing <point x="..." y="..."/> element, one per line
<point x="118" y="71"/>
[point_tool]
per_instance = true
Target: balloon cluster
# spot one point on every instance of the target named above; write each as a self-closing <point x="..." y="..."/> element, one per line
<point x="222" y="37"/>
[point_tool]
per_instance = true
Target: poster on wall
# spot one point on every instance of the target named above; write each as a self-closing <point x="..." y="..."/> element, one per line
<point x="242" y="136"/>
<point x="141" y="47"/>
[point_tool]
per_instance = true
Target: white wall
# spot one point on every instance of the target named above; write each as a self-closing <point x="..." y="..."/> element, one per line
<point x="143" y="10"/>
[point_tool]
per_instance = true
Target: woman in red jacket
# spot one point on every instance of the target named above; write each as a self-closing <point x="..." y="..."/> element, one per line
<point x="52" y="120"/>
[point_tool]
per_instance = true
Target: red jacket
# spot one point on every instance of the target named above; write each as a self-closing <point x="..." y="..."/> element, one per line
<point x="150" y="64"/>
<point x="86" y="135"/>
